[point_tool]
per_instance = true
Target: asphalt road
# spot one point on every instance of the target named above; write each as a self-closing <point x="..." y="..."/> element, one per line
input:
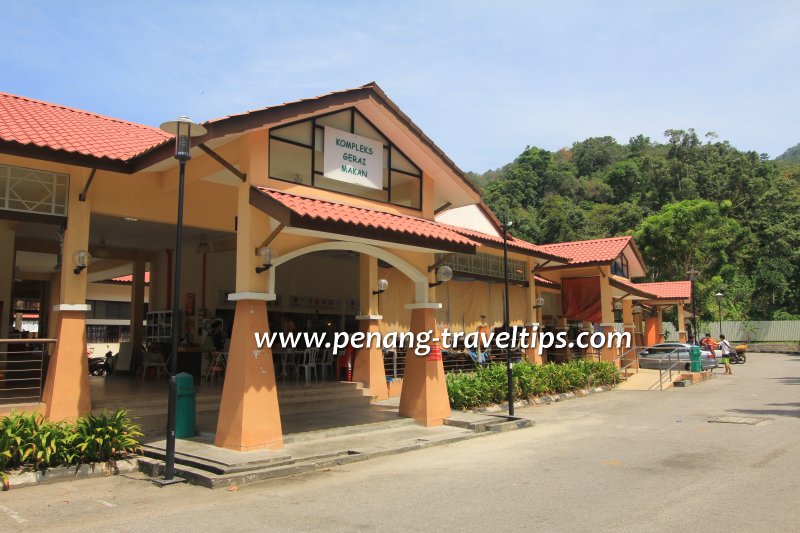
<point x="622" y="461"/>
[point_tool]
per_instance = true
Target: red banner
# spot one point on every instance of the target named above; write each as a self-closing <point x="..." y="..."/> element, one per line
<point x="580" y="299"/>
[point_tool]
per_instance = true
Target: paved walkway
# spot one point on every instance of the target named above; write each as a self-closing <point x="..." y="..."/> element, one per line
<point x="617" y="461"/>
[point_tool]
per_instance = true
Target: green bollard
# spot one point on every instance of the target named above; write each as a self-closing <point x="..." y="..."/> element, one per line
<point x="185" y="414"/>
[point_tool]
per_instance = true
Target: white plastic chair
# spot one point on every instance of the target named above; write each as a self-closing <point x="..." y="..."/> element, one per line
<point x="326" y="362"/>
<point x="153" y="360"/>
<point x="309" y="364"/>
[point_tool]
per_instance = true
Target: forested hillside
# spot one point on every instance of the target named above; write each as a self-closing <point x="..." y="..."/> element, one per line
<point x="689" y="202"/>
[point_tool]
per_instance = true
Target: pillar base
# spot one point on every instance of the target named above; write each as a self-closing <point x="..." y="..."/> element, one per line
<point x="368" y="366"/>
<point x="66" y="393"/>
<point x="609" y="354"/>
<point x="424" y="396"/>
<point x="249" y="417"/>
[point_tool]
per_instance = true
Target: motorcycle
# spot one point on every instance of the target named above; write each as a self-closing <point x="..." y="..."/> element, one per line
<point x="740" y="353"/>
<point x="101" y="365"/>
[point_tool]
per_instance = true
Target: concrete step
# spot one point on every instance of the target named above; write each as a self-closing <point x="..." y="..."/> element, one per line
<point x="491" y="423"/>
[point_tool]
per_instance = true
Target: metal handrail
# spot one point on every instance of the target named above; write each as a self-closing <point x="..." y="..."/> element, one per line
<point x="661" y="372"/>
<point x="15" y="386"/>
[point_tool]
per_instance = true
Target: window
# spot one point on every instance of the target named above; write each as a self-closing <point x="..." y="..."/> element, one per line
<point x="620" y="266"/>
<point x="33" y="191"/>
<point x="296" y="155"/>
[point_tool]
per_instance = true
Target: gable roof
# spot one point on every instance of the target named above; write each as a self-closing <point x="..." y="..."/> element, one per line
<point x="42" y="130"/>
<point x="35" y="124"/>
<point x="592" y="251"/>
<point x="668" y="290"/>
<point x="303" y="212"/>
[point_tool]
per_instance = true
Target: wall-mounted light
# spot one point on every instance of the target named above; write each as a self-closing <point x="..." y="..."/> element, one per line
<point x="202" y="247"/>
<point x="636" y="309"/>
<point x="266" y="260"/>
<point x="101" y="251"/>
<point x="443" y="275"/>
<point x="81" y="259"/>
<point x="382" y="286"/>
<point x="539" y="302"/>
<point x="618" y="306"/>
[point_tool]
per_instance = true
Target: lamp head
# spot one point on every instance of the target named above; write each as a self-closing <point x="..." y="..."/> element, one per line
<point x="443" y="275"/>
<point x="382" y="286"/>
<point x="266" y="259"/>
<point x="183" y="129"/>
<point x="81" y="259"/>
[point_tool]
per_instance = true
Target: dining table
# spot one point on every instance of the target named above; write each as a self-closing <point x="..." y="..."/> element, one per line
<point x="285" y="355"/>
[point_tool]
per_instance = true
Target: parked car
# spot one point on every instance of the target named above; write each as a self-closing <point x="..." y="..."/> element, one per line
<point x="662" y="355"/>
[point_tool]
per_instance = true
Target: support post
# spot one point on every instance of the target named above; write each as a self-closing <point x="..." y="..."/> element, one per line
<point x="368" y="366"/>
<point x="249" y="415"/>
<point x="681" y="323"/>
<point x="137" y="305"/>
<point x="607" y="353"/>
<point x="424" y="395"/>
<point x="66" y="391"/>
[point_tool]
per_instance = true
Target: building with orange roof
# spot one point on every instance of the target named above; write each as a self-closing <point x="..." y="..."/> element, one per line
<point x="295" y="213"/>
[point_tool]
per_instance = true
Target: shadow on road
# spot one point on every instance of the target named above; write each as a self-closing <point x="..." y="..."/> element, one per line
<point x="776" y="412"/>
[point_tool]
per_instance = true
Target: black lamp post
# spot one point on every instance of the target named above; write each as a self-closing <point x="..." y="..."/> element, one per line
<point x="692" y="273"/>
<point x="184" y="130"/>
<point x="506" y="320"/>
<point x="719" y="297"/>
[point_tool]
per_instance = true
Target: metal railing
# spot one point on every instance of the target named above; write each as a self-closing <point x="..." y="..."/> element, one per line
<point x="662" y="372"/>
<point x="22" y="369"/>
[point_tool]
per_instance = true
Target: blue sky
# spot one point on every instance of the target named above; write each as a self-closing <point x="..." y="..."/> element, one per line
<point x="482" y="79"/>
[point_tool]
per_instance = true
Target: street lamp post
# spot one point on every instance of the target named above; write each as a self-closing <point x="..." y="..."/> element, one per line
<point x="692" y="273"/>
<point x="506" y="317"/>
<point x="719" y="296"/>
<point x="183" y="129"/>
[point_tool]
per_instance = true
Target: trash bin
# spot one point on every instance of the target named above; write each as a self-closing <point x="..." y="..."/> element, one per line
<point x="185" y="415"/>
<point x="694" y="359"/>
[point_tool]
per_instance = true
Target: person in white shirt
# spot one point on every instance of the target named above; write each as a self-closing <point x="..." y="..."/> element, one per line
<point x="725" y="346"/>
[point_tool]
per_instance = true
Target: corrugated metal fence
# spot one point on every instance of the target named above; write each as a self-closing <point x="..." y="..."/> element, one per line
<point x="756" y="331"/>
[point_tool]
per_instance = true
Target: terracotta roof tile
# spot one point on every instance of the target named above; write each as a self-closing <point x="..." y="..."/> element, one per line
<point x="33" y="122"/>
<point x="129" y="278"/>
<point x="668" y="290"/>
<point x="324" y="210"/>
<point x="593" y="251"/>
<point x="513" y="242"/>
<point x="542" y="282"/>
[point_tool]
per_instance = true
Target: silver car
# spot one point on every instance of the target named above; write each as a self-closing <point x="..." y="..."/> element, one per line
<point x="667" y="353"/>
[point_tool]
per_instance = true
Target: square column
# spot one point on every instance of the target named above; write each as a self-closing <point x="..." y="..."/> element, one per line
<point x="249" y="417"/>
<point x="607" y="313"/>
<point x="630" y="328"/>
<point x="6" y="274"/>
<point x="368" y="365"/>
<point x="424" y="396"/>
<point x="682" y="337"/>
<point x="66" y="391"/>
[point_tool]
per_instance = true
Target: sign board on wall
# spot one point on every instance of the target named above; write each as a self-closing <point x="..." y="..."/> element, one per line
<point x="353" y="159"/>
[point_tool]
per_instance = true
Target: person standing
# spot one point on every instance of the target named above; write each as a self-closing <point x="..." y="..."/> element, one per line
<point x="725" y="346"/>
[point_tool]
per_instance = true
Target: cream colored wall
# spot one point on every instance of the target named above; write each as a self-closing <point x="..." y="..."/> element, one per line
<point x="111" y="292"/>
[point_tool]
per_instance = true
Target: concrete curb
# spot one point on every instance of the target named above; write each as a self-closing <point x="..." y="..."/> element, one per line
<point x="71" y="473"/>
<point x="543" y="400"/>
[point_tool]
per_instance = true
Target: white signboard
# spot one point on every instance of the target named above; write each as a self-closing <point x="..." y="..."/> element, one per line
<point x="353" y="159"/>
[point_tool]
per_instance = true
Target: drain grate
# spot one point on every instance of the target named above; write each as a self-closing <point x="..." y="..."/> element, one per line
<point x="751" y="421"/>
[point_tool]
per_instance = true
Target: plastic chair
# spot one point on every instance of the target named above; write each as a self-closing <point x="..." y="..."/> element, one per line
<point x="326" y="362"/>
<point x="309" y="364"/>
<point x="218" y="365"/>
<point x="153" y="360"/>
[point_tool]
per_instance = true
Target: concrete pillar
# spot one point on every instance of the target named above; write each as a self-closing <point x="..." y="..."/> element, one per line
<point x="66" y="392"/>
<point x="660" y="323"/>
<point x="368" y="366"/>
<point x="6" y="275"/>
<point x="628" y="322"/>
<point x="682" y="337"/>
<point x="424" y="395"/>
<point x="137" y="305"/>
<point x="607" y="316"/>
<point x="249" y="416"/>
<point x="533" y="316"/>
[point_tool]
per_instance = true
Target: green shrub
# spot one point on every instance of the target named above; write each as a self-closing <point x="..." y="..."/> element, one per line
<point x="31" y="441"/>
<point x="489" y="385"/>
